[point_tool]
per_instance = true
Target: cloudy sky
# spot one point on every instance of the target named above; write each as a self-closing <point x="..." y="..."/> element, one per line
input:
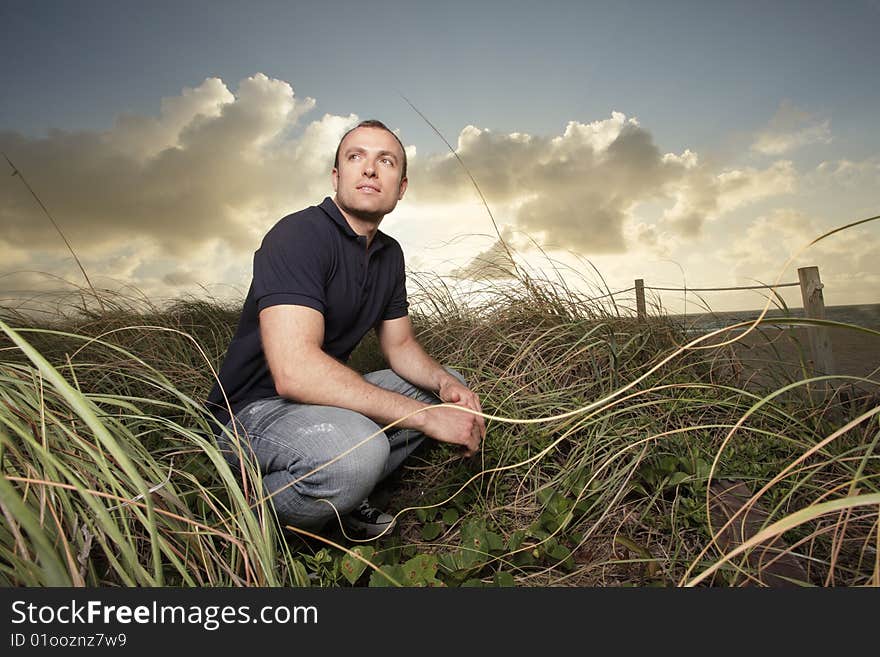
<point x="685" y="143"/>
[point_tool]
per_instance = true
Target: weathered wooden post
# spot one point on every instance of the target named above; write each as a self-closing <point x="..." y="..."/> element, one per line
<point x="641" y="312"/>
<point x="814" y="307"/>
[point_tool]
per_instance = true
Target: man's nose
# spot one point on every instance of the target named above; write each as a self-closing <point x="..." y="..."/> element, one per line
<point x="369" y="169"/>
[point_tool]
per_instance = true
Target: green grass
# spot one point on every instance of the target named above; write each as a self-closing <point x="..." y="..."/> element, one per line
<point x="604" y="438"/>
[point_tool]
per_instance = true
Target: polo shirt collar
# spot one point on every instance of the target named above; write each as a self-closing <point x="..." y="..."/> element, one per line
<point x="328" y="205"/>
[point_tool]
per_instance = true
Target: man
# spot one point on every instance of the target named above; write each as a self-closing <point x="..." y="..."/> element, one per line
<point x="322" y="278"/>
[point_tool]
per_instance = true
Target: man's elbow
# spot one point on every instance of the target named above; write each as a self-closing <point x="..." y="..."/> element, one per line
<point x="399" y="349"/>
<point x="290" y="387"/>
<point x="302" y="381"/>
<point x="292" y="383"/>
<point x="284" y="387"/>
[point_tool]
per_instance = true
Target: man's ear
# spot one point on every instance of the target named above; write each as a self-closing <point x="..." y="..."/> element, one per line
<point x="334" y="175"/>
<point x="403" y="184"/>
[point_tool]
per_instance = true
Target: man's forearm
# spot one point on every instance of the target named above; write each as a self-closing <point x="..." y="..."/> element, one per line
<point x="410" y="361"/>
<point x="321" y="379"/>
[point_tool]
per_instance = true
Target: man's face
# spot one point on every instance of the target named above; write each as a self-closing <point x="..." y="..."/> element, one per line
<point x="367" y="181"/>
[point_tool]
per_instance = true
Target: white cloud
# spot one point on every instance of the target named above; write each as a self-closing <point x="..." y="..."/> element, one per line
<point x="848" y="174"/>
<point x="703" y="196"/>
<point x="179" y="201"/>
<point x="142" y="137"/>
<point x="597" y="136"/>
<point x="208" y="167"/>
<point x="738" y="187"/>
<point x="789" y="129"/>
<point x="574" y="190"/>
<point x="496" y="262"/>
<point x="580" y="190"/>
<point x="652" y="238"/>
<point x="762" y="249"/>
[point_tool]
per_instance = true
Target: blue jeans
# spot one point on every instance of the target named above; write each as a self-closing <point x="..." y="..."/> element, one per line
<point x="287" y="441"/>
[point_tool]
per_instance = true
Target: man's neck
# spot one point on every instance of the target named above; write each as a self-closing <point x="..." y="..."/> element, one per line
<point x="362" y="226"/>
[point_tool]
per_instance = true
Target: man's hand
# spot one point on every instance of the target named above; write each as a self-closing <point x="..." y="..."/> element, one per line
<point x="453" y="392"/>
<point x="451" y="425"/>
<point x="407" y="358"/>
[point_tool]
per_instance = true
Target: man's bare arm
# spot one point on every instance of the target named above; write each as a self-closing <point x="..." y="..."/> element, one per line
<point x="292" y="338"/>
<point x="410" y="361"/>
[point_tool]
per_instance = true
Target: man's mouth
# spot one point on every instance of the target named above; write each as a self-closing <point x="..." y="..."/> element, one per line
<point x="369" y="189"/>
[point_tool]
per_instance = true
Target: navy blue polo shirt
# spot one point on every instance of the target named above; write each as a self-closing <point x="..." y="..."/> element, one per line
<point x="311" y="258"/>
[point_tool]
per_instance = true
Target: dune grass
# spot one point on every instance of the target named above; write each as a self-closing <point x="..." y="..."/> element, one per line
<point x="605" y="439"/>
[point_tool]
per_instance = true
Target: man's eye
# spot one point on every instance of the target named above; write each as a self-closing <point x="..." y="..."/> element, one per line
<point x="354" y="156"/>
<point x="388" y="160"/>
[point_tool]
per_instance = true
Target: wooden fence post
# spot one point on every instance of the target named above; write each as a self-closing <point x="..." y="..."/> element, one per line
<point x="641" y="313"/>
<point x="814" y="307"/>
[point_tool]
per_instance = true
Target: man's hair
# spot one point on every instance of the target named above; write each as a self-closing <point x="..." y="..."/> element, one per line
<point x="372" y="123"/>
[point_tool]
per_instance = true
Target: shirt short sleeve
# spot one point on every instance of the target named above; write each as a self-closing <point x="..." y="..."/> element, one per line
<point x="398" y="305"/>
<point x="290" y="267"/>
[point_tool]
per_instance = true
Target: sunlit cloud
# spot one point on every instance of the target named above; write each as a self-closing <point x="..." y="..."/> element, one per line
<point x="703" y="195"/>
<point x="177" y="202"/>
<point x="496" y="262"/>
<point x="789" y="129"/>
<point x="849" y="174"/>
<point x="206" y="168"/>
<point x="763" y="248"/>
<point x="573" y="190"/>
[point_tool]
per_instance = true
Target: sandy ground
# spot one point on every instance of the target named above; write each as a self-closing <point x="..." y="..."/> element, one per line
<point x="775" y="355"/>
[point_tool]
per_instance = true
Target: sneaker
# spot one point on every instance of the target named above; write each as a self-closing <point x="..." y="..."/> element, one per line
<point x="367" y="521"/>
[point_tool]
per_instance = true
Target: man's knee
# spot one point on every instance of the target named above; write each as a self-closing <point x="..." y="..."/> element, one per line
<point x="349" y="475"/>
<point x="369" y="450"/>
